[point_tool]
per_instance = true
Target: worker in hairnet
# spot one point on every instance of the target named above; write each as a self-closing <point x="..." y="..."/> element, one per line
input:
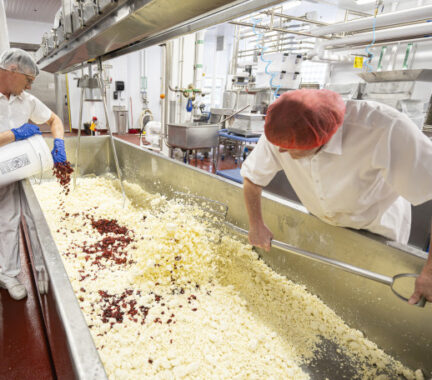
<point x="18" y="110"/>
<point x="356" y="165"/>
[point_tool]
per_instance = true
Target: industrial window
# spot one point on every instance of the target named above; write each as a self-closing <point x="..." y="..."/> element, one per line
<point x="314" y="72"/>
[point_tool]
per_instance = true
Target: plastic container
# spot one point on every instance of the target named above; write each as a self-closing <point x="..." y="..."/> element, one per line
<point x="22" y="159"/>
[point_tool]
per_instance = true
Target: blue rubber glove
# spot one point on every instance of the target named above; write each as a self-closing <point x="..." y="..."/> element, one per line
<point x="25" y="131"/>
<point x="58" y="152"/>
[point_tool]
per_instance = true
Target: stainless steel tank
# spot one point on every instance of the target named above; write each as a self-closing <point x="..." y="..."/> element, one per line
<point x="401" y="330"/>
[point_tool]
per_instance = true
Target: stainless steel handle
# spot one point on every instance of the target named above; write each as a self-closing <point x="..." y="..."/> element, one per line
<point x="340" y="264"/>
<point x="336" y="263"/>
<point x="235" y="113"/>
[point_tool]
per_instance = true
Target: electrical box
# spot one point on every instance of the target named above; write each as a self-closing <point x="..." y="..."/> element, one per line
<point x="119" y="85"/>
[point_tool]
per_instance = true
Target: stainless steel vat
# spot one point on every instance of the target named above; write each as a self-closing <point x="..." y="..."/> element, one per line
<point x="248" y="124"/>
<point x="401" y="330"/>
<point x="193" y="136"/>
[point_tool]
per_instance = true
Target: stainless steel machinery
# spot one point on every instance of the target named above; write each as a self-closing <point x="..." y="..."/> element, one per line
<point x="409" y="91"/>
<point x="93" y="29"/>
<point x="193" y="136"/>
<point x="248" y="124"/>
<point x="400" y="329"/>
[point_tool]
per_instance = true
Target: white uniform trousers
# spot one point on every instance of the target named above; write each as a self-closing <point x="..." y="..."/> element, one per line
<point x="10" y="214"/>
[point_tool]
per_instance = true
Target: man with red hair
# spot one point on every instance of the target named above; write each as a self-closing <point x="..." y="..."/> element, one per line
<point x="356" y="165"/>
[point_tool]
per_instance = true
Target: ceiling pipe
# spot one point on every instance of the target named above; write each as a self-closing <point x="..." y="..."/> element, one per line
<point x="266" y="27"/>
<point x="288" y="17"/>
<point x="402" y="32"/>
<point x="320" y="55"/>
<point x="384" y="43"/>
<point x="382" y="20"/>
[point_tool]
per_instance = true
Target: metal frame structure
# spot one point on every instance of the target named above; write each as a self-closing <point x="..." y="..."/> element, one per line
<point x="91" y="82"/>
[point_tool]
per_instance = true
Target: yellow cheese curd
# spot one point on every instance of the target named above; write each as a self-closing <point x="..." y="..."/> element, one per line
<point x="165" y="298"/>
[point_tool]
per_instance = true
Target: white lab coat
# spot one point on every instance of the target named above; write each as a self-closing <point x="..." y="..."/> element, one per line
<point x="365" y="177"/>
<point x="14" y="112"/>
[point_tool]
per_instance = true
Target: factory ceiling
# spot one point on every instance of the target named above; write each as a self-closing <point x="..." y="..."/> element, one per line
<point x="34" y="10"/>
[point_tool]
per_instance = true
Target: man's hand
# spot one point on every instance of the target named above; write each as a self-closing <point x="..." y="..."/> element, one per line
<point x="25" y="131"/>
<point x="58" y="152"/>
<point x="260" y="236"/>
<point x="423" y="286"/>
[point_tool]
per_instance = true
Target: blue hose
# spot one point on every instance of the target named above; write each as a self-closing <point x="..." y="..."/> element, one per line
<point x="370" y="55"/>
<point x="268" y="61"/>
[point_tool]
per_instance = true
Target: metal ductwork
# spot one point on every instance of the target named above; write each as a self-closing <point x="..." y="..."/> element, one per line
<point x="393" y="34"/>
<point x="136" y="24"/>
<point x="383" y="20"/>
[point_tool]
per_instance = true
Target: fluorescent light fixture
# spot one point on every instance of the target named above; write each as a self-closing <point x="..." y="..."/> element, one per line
<point x="291" y="4"/>
<point x="361" y="2"/>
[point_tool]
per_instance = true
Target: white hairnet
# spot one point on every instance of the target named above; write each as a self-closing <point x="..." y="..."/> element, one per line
<point x="21" y="59"/>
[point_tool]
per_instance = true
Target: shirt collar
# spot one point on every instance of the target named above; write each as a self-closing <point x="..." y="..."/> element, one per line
<point x="20" y="96"/>
<point x="334" y="146"/>
<point x="13" y="97"/>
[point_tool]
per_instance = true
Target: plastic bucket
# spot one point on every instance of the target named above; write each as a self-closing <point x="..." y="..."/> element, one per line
<point x="22" y="159"/>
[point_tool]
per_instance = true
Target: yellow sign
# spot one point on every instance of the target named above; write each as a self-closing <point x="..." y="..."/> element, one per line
<point x="358" y="62"/>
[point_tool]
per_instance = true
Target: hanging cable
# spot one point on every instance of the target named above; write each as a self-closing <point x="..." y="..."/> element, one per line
<point x="268" y="62"/>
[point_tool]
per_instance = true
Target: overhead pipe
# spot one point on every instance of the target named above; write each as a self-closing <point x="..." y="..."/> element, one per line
<point x="326" y="56"/>
<point x="292" y="50"/>
<point x="288" y="17"/>
<point x="382" y="20"/>
<point x="386" y="43"/>
<point x="393" y="34"/>
<point x="266" y="27"/>
<point x="275" y="43"/>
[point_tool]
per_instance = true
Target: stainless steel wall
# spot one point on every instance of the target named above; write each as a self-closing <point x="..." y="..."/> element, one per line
<point x="52" y="94"/>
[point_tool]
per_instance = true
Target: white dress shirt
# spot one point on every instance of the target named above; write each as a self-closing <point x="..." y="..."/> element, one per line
<point x="365" y="177"/>
<point x="18" y="110"/>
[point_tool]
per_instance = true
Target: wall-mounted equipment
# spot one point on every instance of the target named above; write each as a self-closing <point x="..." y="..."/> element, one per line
<point x="119" y="87"/>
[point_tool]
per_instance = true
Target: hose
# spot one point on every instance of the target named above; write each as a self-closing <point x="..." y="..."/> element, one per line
<point x="369" y="54"/>
<point x="267" y="61"/>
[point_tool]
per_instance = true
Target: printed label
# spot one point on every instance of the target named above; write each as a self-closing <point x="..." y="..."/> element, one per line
<point x="14" y="164"/>
<point x="358" y="62"/>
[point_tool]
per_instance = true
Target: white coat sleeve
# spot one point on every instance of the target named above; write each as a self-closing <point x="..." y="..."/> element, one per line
<point x="404" y="156"/>
<point x="40" y="113"/>
<point x="262" y="164"/>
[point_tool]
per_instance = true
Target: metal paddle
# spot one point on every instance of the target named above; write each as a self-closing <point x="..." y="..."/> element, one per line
<point x="386" y="280"/>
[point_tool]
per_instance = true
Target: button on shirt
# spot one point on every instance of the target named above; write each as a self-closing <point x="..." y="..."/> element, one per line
<point x="365" y="177"/>
<point x="18" y="110"/>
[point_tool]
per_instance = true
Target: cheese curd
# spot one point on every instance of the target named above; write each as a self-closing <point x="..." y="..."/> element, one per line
<point x="166" y="296"/>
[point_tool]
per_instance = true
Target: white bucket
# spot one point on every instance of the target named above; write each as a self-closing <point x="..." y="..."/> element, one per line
<point x="22" y="159"/>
